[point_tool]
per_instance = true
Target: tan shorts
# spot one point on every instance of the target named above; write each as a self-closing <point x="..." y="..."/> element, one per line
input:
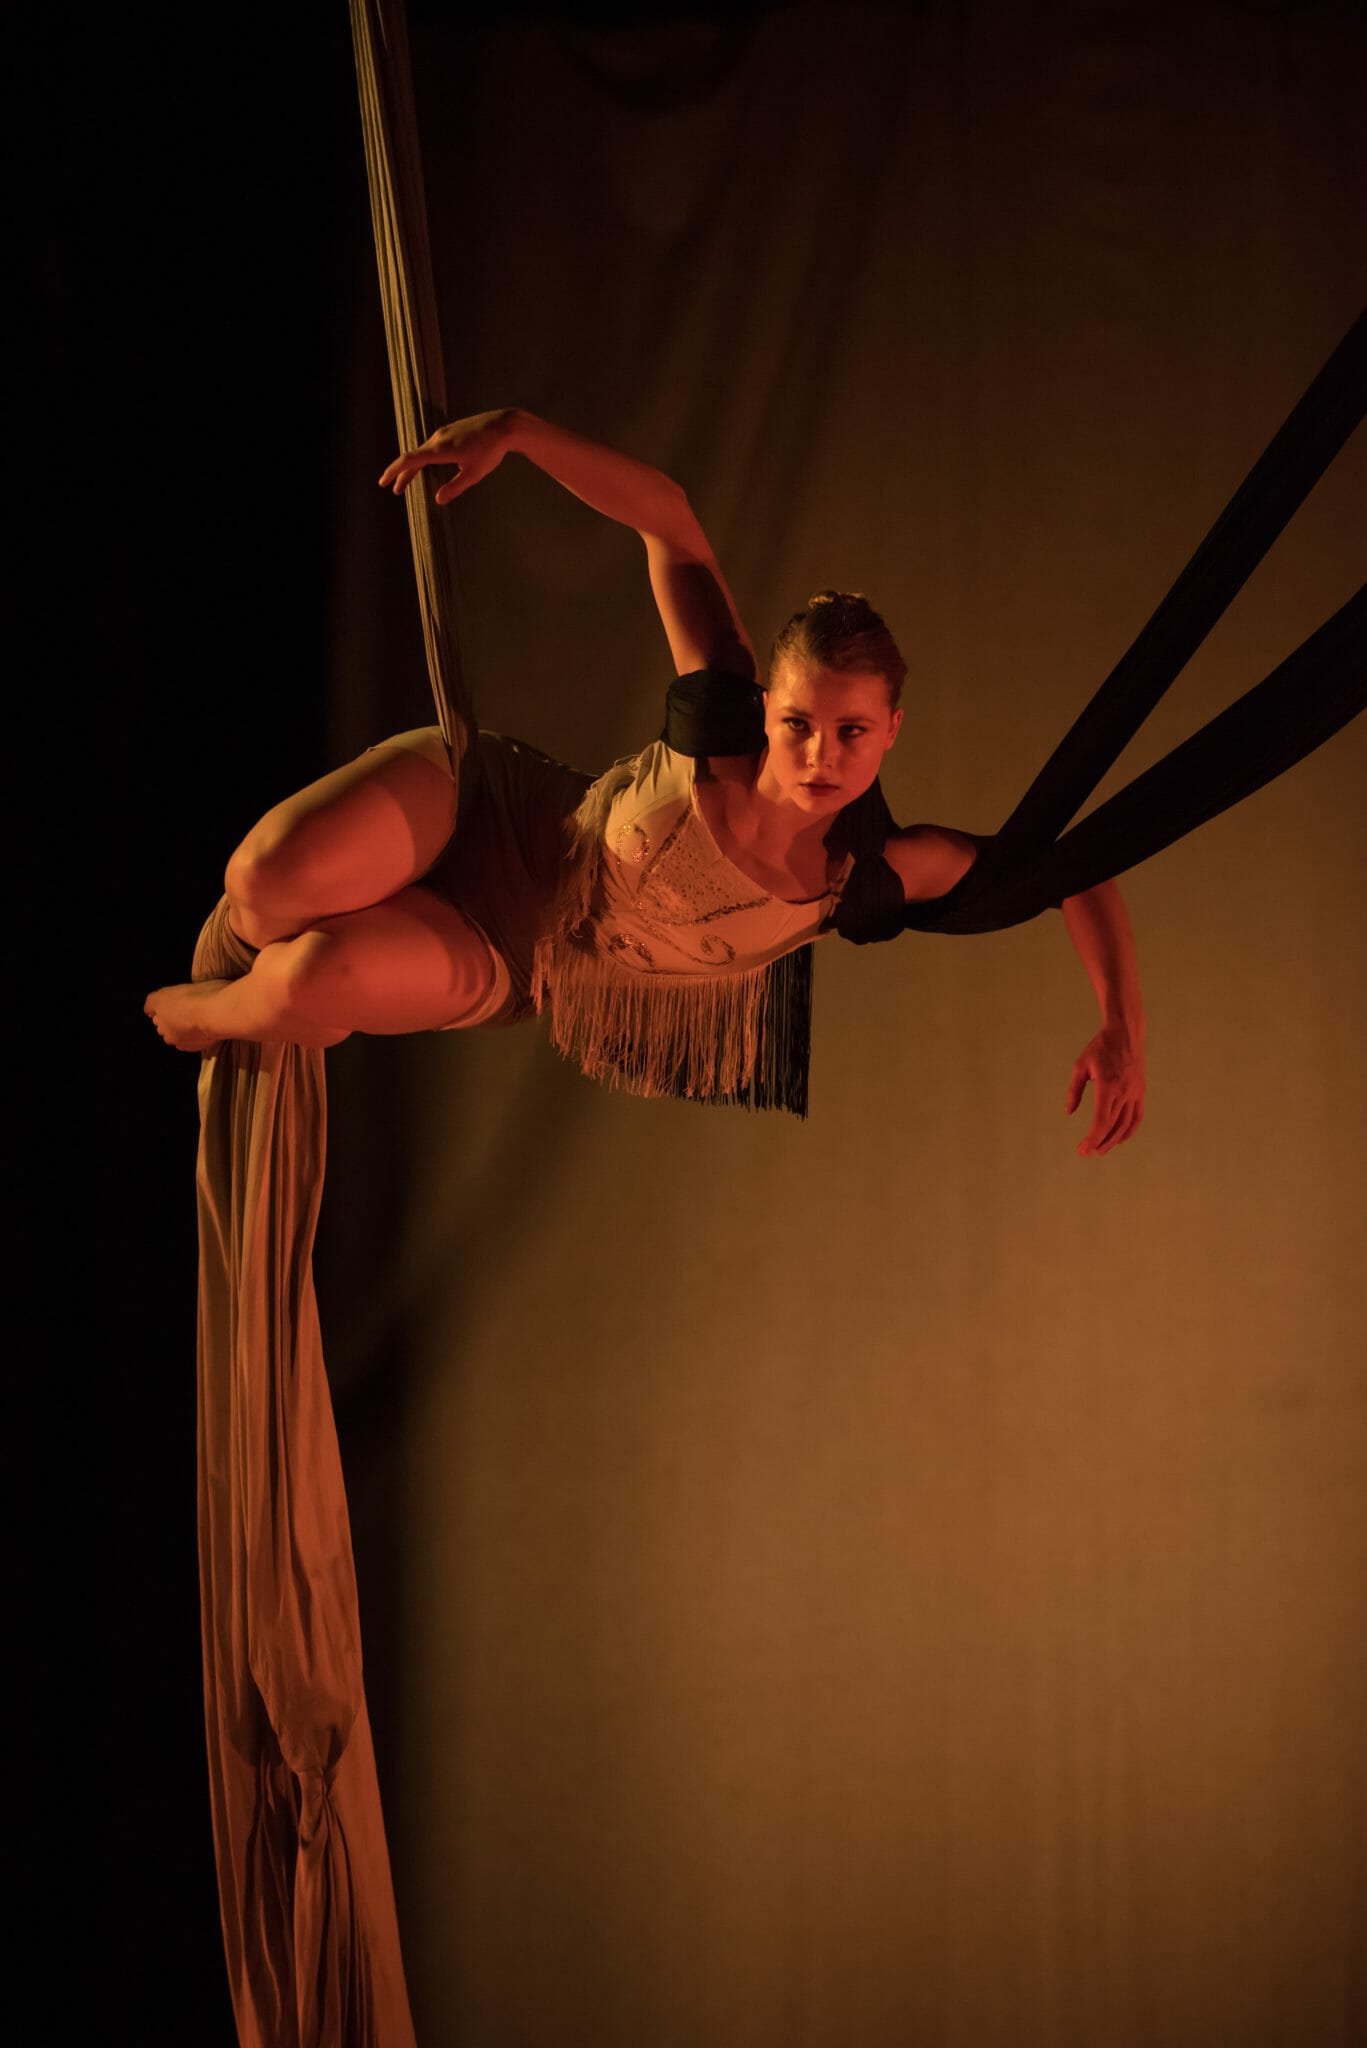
<point x="504" y="862"/>
<point x="496" y="1006"/>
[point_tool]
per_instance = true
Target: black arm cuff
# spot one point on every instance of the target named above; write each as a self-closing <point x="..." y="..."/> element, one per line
<point x="713" y="711"/>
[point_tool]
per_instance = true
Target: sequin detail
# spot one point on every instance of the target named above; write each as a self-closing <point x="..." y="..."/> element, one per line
<point x="633" y="843"/>
<point x="683" y="888"/>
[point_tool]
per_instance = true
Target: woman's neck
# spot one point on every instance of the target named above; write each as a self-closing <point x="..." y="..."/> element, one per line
<point x="777" y="825"/>
<point x="765" y="834"/>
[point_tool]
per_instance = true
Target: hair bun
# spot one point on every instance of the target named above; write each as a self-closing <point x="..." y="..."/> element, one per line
<point x="840" y="630"/>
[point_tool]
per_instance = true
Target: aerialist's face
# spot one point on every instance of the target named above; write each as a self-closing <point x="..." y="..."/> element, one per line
<point x="827" y="735"/>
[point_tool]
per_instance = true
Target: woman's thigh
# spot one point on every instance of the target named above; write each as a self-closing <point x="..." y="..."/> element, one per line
<point x="351" y="839"/>
<point x="412" y="963"/>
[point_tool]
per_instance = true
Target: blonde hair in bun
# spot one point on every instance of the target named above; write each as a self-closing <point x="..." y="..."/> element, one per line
<point x="840" y="630"/>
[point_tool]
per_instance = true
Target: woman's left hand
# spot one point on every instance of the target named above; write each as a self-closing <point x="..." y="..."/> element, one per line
<point x="1114" y="1064"/>
<point x="471" y="447"/>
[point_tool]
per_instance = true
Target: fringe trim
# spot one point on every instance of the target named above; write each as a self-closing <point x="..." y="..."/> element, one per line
<point x="588" y="828"/>
<point x="742" y="1039"/>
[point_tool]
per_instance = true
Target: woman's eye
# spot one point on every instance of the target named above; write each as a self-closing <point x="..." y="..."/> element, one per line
<point x="795" y="724"/>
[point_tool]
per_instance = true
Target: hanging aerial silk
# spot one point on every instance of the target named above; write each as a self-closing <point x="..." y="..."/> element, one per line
<point x="1025" y="867"/>
<point x="309" y="1925"/>
<point x="309" y="1928"/>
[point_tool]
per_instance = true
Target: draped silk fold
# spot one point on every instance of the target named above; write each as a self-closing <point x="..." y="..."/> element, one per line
<point x="309" y="1926"/>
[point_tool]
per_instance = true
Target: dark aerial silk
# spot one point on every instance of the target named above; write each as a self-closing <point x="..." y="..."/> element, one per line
<point x="1026" y="867"/>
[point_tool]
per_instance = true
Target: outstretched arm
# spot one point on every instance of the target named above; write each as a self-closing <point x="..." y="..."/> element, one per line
<point x="695" y="606"/>
<point x="1099" y="927"/>
<point x="930" y="859"/>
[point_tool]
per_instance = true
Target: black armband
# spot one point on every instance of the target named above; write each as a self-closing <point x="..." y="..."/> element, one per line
<point x="714" y="711"/>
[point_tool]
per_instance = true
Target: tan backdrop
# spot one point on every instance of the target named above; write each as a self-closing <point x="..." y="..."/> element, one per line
<point x="884" y="1580"/>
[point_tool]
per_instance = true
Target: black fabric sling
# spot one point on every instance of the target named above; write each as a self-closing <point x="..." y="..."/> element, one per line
<point x="1026" y="867"/>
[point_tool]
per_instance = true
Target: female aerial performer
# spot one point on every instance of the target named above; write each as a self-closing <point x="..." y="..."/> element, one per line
<point x="644" y="910"/>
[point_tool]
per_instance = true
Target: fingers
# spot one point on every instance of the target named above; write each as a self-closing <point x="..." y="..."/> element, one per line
<point x="402" y="470"/>
<point x="1110" y="1107"/>
<point x="1131" y="1125"/>
<point x="1104" y="1121"/>
<point x="453" y="487"/>
<point x="1117" y="1117"/>
<point x="1117" y="1095"/>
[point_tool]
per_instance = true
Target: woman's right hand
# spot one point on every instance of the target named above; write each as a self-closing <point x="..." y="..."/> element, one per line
<point x="471" y="447"/>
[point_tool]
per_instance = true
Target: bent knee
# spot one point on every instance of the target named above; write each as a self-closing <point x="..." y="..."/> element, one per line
<point x="253" y="868"/>
<point x="266" y="887"/>
<point x="425" y="740"/>
<point x="313" y="979"/>
<point x="350" y="839"/>
<point x="297" y="994"/>
<point x="399" y="968"/>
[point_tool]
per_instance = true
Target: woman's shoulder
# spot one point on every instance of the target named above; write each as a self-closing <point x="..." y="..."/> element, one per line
<point x="929" y="859"/>
<point x="655" y="777"/>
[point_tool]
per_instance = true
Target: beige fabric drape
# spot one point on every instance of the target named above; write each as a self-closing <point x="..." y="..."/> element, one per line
<point x="307" y="1904"/>
<point x="308" y="1912"/>
<point x="398" y="215"/>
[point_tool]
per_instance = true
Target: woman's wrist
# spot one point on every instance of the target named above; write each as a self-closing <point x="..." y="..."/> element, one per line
<point x="1128" y="1022"/>
<point x="516" y="423"/>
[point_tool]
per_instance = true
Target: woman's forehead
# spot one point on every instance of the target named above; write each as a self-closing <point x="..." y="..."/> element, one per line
<point x="832" y="692"/>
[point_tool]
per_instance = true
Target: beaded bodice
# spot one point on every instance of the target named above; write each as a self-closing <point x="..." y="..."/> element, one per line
<point x="669" y="901"/>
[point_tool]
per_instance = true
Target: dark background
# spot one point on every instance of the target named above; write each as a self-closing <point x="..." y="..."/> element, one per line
<point x="199" y="206"/>
<point x="217" y="200"/>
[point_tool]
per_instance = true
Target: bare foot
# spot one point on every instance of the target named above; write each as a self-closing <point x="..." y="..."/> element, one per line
<point x="176" y="1012"/>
